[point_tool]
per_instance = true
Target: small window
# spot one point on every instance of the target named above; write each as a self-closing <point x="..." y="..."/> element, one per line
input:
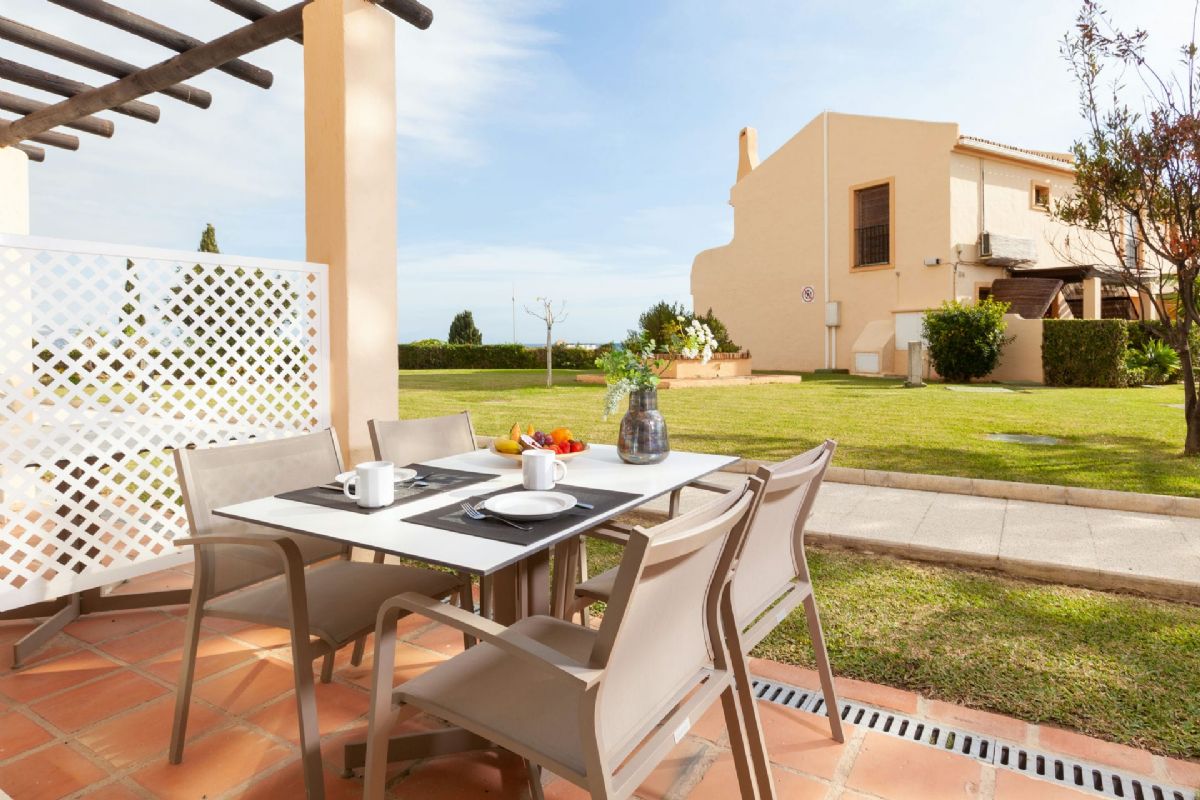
<point x="984" y="292"/>
<point x="1130" y="254"/>
<point x="1041" y="196"/>
<point x="872" y="225"/>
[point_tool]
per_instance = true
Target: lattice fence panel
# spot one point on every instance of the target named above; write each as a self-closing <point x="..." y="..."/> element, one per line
<point x="110" y="358"/>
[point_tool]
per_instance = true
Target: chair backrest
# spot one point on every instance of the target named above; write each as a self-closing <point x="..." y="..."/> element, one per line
<point x="654" y="640"/>
<point x="212" y="477"/>
<point x="410" y="441"/>
<point x="772" y="556"/>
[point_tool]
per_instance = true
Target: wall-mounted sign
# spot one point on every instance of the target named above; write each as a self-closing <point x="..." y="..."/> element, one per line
<point x="808" y="294"/>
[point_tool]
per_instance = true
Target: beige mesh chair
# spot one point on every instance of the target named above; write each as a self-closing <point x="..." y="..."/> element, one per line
<point x="247" y="572"/>
<point x="409" y="441"/>
<point x="600" y="708"/>
<point x="771" y="578"/>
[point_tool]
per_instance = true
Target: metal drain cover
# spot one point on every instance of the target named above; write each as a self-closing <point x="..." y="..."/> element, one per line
<point x="1096" y="779"/>
<point x="1021" y="438"/>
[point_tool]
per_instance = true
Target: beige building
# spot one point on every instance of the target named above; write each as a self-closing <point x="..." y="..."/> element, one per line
<point x="852" y="229"/>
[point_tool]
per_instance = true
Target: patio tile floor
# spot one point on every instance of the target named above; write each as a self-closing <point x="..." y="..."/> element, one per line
<point x="91" y="719"/>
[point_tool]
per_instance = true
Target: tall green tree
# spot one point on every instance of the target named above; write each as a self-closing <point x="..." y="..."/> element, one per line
<point x="463" y="330"/>
<point x="1137" y="176"/>
<point x="208" y="240"/>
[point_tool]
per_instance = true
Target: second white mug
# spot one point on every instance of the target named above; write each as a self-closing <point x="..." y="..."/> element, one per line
<point x="373" y="484"/>
<point x="540" y="470"/>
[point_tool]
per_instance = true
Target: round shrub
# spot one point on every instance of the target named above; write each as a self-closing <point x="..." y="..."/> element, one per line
<point x="965" y="339"/>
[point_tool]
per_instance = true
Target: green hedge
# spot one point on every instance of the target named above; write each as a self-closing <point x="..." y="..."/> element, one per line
<point x="492" y="356"/>
<point x="1085" y="352"/>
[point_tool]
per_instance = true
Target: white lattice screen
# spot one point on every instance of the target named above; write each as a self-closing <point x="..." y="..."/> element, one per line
<point x="111" y="357"/>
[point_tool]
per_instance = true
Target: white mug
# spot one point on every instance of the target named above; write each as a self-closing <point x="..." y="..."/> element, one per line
<point x="373" y="483"/>
<point x="539" y="470"/>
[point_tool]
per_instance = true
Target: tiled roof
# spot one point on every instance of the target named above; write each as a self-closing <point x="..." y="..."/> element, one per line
<point x="1064" y="159"/>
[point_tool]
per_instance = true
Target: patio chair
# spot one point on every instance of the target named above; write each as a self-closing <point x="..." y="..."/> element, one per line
<point x="771" y="578"/>
<point x="598" y="707"/>
<point x="409" y="441"/>
<point x="249" y="573"/>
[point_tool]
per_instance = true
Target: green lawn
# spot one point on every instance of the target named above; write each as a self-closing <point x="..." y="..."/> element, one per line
<point x="1117" y="667"/>
<point x="1128" y="439"/>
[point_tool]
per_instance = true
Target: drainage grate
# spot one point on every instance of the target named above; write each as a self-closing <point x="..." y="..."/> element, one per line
<point x="1095" y="778"/>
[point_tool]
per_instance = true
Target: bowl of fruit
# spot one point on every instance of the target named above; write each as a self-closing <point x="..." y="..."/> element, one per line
<point x="559" y="441"/>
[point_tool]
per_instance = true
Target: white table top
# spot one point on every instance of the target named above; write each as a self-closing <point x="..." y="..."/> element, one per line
<point x="599" y="468"/>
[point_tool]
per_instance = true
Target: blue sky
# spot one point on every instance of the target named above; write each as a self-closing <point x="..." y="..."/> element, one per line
<point x="573" y="149"/>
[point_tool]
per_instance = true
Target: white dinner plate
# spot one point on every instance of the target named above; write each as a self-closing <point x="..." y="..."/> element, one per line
<point x="529" y="505"/>
<point x="402" y="474"/>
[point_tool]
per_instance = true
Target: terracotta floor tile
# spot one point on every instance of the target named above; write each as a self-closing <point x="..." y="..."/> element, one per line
<point x="1011" y="786"/>
<point x="85" y="705"/>
<point x="121" y="790"/>
<point x="410" y="662"/>
<point x="1185" y="772"/>
<point x="720" y="783"/>
<point x="95" y="628"/>
<point x="484" y="775"/>
<point x="785" y="673"/>
<point x="288" y="782"/>
<point x="1057" y="740"/>
<point x="11" y="630"/>
<point x="979" y="721"/>
<point x="247" y="687"/>
<point x="144" y="733"/>
<point x="213" y="765"/>
<point x="264" y="636"/>
<point x="48" y="774"/>
<point x="440" y="639"/>
<point x="901" y="770"/>
<point x="20" y="733"/>
<point x="58" y="646"/>
<point x="711" y="726"/>
<point x="223" y="625"/>
<point x="333" y="747"/>
<point x="680" y="766"/>
<point x="43" y="678"/>
<point x="214" y="654"/>
<point x="166" y="580"/>
<point x="565" y="790"/>
<point x="800" y="740"/>
<point x="337" y="706"/>
<point x="144" y="644"/>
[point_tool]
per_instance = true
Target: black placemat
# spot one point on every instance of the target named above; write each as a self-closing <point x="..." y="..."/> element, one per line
<point x="439" y="479"/>
<point x="453" y="518"/>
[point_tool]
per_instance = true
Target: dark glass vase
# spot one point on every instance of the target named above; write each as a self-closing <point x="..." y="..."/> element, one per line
<point x="643" y="436"/>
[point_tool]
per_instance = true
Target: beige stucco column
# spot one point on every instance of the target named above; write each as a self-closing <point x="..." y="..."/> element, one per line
<point x="1091" y="298"/>
<point x="350" y="203"/>
<point x="1146" y="306"/>
<point x="14" y="191"/>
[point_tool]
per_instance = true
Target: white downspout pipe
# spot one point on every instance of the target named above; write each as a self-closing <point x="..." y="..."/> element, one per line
<point x="830" y="333"/>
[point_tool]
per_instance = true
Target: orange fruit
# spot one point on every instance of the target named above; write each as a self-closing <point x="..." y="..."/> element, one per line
<point x="561" y="435"/>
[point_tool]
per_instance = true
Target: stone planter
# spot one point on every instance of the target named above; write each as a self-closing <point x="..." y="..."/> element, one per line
<point x="722" y="365"/>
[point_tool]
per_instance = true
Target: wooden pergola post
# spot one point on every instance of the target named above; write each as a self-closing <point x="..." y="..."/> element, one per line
<point x="350" y="203"/>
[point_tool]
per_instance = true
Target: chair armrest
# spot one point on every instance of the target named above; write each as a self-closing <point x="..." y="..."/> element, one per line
<point x="709" y="487"/>
<point x="611" y="532"/>
<point x="530" y="650"/>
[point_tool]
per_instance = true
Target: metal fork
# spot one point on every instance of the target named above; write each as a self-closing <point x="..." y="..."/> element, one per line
<point x="474" y="513"/>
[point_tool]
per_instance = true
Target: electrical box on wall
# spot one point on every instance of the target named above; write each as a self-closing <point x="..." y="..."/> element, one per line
<point x="833" y="314"/>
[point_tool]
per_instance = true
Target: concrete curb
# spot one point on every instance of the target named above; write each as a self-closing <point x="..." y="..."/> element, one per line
<point x="1169" y="505"/>
<point x="1103" y="580"/>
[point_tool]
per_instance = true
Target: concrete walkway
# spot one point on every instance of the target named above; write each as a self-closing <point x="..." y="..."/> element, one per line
<point x="1098" y="548"/>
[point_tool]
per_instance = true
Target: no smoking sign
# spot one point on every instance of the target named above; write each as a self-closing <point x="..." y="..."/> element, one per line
<point x="808" y="294"/>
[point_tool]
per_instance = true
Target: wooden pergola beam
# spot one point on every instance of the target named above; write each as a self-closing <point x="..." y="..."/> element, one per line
<point x="57" y="84"/>
<point x="35" y="153"/>
<point x="25" y="105"/>
<point x="160" y="34"/>
<point x="55" y="139"/>
<point x="265" y="31"/>
<point x="253" y="11"/>
<point x="58" y="47"/>
<point x="412" y="12"/>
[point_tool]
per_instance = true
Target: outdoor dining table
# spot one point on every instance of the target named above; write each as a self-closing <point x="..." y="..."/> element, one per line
<point x="517" y="574"/>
